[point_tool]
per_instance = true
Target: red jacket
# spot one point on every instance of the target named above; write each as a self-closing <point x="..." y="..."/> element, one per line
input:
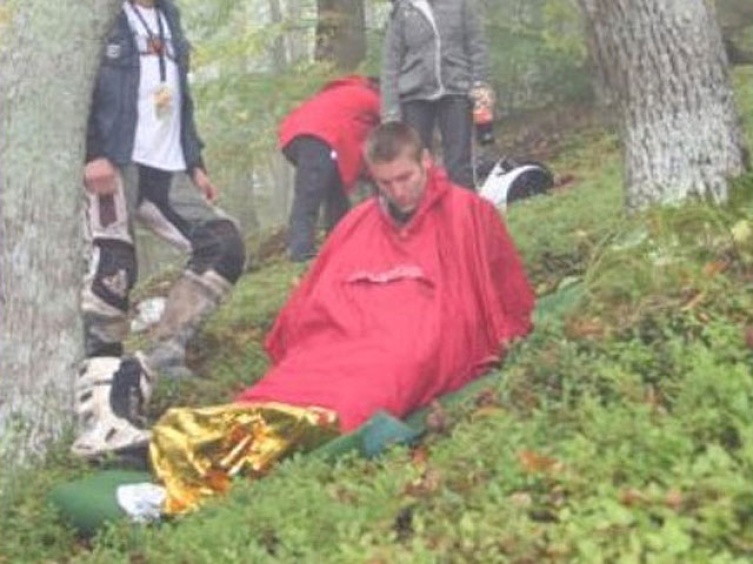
<point x="390" y="317"/>
<point x="341" y="114"/>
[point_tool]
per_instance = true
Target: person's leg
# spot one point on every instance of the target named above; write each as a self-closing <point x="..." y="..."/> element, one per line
<point x="172" y="207"/>
<point x="336" y="205"/>
<point x="110" y="391"/>
<point x="112" y="268"/>
<point x="421" y="116"/>
<point x="315" y="175"/>
<point x="456" y="127"/>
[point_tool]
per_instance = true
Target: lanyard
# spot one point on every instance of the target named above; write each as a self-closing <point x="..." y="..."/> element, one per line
<point x="155" y="45"/>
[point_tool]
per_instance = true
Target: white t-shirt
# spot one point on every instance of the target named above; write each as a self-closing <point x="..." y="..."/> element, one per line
<point x="157" y="142"/>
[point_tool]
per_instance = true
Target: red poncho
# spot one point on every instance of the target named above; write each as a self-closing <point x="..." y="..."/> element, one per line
<point x="390" y="317"/>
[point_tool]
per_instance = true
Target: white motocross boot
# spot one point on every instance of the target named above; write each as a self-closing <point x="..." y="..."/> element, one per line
<point x="111" y="394"/>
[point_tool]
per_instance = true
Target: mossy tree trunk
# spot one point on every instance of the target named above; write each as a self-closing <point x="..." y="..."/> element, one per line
<point x="48" y="57"/>
<point x="665" y="71"/>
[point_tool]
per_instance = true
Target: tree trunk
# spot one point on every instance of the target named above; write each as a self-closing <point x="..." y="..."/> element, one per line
<point x="48" y="60"/>
<point x="664" y="67"/>
<point x="341" y="33"/>
<point x="298" y="37"/>
<point x="279" y="54"/>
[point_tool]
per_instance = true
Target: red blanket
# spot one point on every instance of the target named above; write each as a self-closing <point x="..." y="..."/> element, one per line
<point x="390" y="317"/>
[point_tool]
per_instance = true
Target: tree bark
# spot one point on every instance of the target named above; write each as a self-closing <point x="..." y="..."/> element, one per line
<point x="48" y="60"/>
<point x="664" y="66"/>
<point x="341" y="33"/>
<point x="298" y="37"/>
<point x="279" y="54"/>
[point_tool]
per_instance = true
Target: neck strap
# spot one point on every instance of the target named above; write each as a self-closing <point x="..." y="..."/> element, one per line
<point x="155" y="43"/>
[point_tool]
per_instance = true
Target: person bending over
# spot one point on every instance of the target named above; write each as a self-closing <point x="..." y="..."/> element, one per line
<point x="323" y="137"/>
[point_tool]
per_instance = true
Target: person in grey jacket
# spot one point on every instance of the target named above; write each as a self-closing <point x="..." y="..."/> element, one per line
<point x="143" y="162"/>
<point x="434" y="57"/>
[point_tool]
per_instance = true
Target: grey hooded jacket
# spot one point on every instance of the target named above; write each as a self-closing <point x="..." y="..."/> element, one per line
<point x="433" y="48"/>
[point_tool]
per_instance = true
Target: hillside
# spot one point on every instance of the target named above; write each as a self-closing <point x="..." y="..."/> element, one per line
<point x="622" y="430"/>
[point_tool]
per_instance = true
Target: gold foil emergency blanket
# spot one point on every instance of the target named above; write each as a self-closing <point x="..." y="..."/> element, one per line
<point x="195" y="452"/>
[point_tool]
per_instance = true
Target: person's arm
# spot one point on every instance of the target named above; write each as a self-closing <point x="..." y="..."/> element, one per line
<point x="196" y="169"/>
<point x="508" y="278"/>
<point x="392" y="50"/>
<point x="99" y="171"/>
<point x="475" y="44"/>
<point x="191" y="131"/>
<point x="93" y="136"/>
<point x="99" y="177"/>
<point x="204" y="183"/>
<point x="195" y="166"/>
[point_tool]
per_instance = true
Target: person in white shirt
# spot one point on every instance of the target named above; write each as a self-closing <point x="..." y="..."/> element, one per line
<point x="143" y="162"/>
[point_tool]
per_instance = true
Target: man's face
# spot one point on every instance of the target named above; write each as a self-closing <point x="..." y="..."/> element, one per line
<point x="402" y="181"/>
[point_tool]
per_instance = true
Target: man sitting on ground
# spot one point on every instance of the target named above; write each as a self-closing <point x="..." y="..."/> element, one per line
<point x="415" y="293"/>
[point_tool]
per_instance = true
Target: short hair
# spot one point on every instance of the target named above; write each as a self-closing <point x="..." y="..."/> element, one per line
<point x="391" y="140"/>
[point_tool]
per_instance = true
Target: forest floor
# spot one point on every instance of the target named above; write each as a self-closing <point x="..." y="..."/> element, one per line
<point x="620" y="431"/>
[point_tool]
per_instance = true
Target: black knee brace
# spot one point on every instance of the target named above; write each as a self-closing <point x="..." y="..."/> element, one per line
<point x="218" y="246"/>
<point x="116" y="272"/>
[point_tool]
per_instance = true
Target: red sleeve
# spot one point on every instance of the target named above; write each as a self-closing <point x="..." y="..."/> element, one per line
<point x="512" y="290"/>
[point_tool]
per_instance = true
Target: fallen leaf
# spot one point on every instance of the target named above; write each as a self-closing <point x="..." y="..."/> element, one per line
<point x="749" y="336"/>
<point x="217" y="480"/>
<point x="428" y="483"/>
<point x="535" y="463"/>
<point x="437" y="420"/>
<point x="490" y="411"/>
<point x="584" y="328"/>
<point x="487" y="398"/>
<point x="715" y="267"/>
<point x="419" y="456"/>
<point x="694" y="301"/>
<point x="521" y="499"/>
<point x="564" y="180"/>
<point x="674" y="499"/>
<point x="631" y="497"/>
<point x="137" y="558"/>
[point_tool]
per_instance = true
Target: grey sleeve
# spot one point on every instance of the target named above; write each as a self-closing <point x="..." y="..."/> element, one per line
<point x="475" y="43"/>
<point x="392" y="49"/>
